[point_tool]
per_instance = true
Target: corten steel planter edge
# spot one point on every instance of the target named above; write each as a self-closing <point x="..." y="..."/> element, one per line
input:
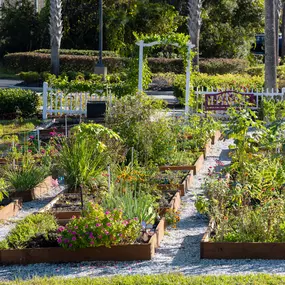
<point x="11" y="209"/>
<point x="199" y="164"/>
<point x="59" y="255"/>
<point x="174" y="204"/>
<point x="37" y="192"/>
<point x="239" y="250"/>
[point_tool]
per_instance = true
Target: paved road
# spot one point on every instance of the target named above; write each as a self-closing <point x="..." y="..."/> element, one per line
<point x="4" y="83"/>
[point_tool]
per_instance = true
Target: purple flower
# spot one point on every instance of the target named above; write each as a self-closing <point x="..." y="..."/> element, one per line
<point x="108" y="224"/>
<point x="98" y="225"/>
<point x="59" y="240"/>
<point x="74" y="233"/>
<point x="74" y="238"/>
<point x="70" y="245"/>
<point x="106" y="232"/>
<point x="66" y="240"/>
<point x="107" y="212"/>
<point x="91" y="242"/>
<point x="31" y="137"/>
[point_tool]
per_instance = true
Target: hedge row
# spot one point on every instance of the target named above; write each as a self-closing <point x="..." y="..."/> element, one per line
<point x="18" y="103"/>
<point x="40" y="62"/>
<point x="107" y="53"/>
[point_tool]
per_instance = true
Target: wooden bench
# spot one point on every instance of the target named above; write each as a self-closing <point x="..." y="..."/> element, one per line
<point x="223" y="100"/>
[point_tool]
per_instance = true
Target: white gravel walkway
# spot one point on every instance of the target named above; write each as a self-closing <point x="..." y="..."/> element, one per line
<point x="179" y="251"/>
<point x="27" y="209"/>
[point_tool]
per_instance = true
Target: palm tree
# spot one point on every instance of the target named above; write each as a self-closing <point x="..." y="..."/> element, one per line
<point x="55" y="29"/>
<point x="194" y="25"/>
<point x="270" y="44"/>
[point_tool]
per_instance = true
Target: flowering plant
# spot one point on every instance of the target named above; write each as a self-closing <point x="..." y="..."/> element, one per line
<point x="98" y="228"/>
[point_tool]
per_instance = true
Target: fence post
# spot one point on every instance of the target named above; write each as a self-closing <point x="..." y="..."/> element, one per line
<point x="45" y="98"/>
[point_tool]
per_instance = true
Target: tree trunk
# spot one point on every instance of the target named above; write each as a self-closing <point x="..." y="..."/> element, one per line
<point x="194" y="25"/>
<point x="55" y="28"/>
<point x="283" y="31"/>
<point x="270" y="45"/>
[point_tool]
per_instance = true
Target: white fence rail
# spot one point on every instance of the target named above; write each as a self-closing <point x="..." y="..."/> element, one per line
<point x="60" y="103"/>
<point x="259" y="94"/>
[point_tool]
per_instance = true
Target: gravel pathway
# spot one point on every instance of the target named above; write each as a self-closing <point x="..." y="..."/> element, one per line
<point x="27" y="209"/>
<point x="179" y="251"/>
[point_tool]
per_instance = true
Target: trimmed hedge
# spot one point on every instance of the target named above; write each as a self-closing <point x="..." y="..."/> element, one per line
<point x="40" y="62"/>
<point x="223" y="65"/>
<point x="106" y="53"/>
<point x="18" y="103"/>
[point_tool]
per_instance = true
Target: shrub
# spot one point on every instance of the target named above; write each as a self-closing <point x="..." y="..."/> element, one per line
<point x="15" y="102"/>
<point x="29" y="76"/>
<point x="222" y="65"/>
<point x="29" y="228"/>
<point x="106" y="53"/>
<point x="40" y="62"/>
<point x="98" y="228"/>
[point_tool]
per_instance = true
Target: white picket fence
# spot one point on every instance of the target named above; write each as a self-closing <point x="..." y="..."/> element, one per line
<point x="59" y="103"/>
<point x="259" y="94"/>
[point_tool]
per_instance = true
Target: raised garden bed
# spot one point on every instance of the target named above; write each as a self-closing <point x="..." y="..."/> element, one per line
<point x="9" y="208"/>
<point x="125" y="252"/>
<point x="182" y="187"/>
<point x="37" y="192"/>
<point x="239" y="250"/>
<point x="196" y="167"/>
<point x="174" y="202"/>
<point x="64" y="206"/>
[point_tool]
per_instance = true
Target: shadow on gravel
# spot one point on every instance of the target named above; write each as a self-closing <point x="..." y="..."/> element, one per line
<point x="224" y="156"/>
<point x="195" y="221"/>
<point x="189" y="251"/>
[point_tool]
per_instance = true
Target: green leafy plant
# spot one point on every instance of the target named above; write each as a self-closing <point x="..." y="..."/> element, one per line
<point x="28" y="228"/>
<point x="3" y="189"/>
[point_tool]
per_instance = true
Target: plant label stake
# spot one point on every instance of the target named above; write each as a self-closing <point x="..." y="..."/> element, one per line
<point x="39" y="142"/>
<point x="132" y="161"/>
<point x="13" y="145"/>
<point x="109" y="178"/>
<point x="66" y="126"/>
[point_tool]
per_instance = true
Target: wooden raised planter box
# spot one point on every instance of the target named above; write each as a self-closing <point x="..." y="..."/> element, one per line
<point x="37" y="192"/>
<point x="126" y="252"/>
<point x="11" y="209"/>
<point x="196" y="167"/>
<point x="182" y="187"/>
<point x="174" y="204"/>
<point x="216" y="137"/>
<point x="207" y="148"/>
<point x="239" y="250"/>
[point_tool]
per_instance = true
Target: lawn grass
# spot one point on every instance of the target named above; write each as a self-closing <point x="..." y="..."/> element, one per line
<point x="164" y="279"/>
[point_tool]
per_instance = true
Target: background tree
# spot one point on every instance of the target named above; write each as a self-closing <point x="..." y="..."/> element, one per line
<point x="270" y="44"/>
<point x="55" y="28"/>
<point x="194" y="25"/>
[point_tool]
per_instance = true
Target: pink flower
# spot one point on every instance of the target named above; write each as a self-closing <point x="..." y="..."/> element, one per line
<point x="29" y="150"/>
<point x="86" y="226"/>
<point x="136" y="219"/>
<point x="31" y="137"/>
<point x="74" y="238"/>
<point x="74" y="233"/>
<point x="100" y="236"/>
<point x="106" y="232"/>
<point x="70" y="245"/>
<point x="43" y="151"/>
<point x="108" y="224"/>
<point x="73" y="217"/>
<point x="98" y="225"/>
<point x="59" y="240"/>
<point x="76" y="227"/>
<point x="60" y="229"/>
<point x="91" y="242"/>
<point x="107" y="212"/>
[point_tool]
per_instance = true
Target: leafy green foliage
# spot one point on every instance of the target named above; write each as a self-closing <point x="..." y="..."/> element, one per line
<point x="3" y="189"/>
<point x="18" y="102"/>
<point x="98" y="228"/>
<point x="28" y="228"/>
<point x="28" y="175"/>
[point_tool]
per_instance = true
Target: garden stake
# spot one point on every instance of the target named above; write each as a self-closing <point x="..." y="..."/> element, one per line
<point x="39" y="143"/>
<point x="81" y="197"/>
<point x="109" y="178"/>
<point x="132" y="161"/>
<point x="66" y="126"/>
